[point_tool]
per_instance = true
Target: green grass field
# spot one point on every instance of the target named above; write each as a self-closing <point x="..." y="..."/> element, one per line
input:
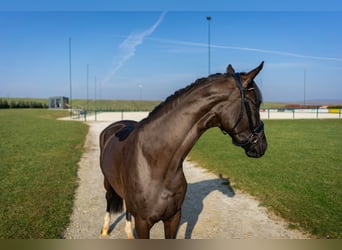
<point x="38" y="172"/>
<point x="299" y="177"/>
<point x="134" y="105"/>
<point x="129" y="105"/>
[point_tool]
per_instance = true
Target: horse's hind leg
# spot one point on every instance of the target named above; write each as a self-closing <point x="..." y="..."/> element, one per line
<point x="128" y="227"/>
<point x="105" y="227"/>
<point x="114" y="204"/>
<point x="107" y="217"/>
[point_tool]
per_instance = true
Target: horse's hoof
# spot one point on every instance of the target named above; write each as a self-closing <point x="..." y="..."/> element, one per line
<point x="104" y="232"/>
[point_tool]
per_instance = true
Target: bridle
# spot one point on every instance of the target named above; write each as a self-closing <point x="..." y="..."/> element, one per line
<point x="255" y="132"/>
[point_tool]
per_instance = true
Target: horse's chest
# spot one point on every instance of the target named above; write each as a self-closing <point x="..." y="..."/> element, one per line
<point x="168" y="202"/>
<point x="159" y="202"/>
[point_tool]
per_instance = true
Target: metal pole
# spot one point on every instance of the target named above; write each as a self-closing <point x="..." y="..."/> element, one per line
<point x="140" y="91"/>
<point x="209" y="40"/>
<point x="87" y="107"/>
<point x="304" y="87"/>
<point x="95" y="99"/>
<point x="70" y="77"/>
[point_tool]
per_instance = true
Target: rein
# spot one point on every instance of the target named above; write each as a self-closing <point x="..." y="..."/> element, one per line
<point x="253" y="137"/>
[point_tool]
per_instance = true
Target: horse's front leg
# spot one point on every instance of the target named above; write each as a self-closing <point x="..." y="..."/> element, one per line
<point x="142" y="228"/>
<point x="171" y="226"/>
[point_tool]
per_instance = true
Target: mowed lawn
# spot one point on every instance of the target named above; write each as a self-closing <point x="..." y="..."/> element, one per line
<point x="299" y="177"/>
<point x="38" y="172"/>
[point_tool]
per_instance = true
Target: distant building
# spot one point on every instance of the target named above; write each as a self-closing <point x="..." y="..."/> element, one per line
<point x="58" y="102"/>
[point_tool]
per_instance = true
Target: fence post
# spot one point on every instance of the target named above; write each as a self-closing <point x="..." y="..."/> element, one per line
<point x="121" y="114"/>
<point x="317" y="113"/>
<point x="293" y="114"/>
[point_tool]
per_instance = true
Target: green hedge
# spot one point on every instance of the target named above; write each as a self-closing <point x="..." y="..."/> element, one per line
<point x="4" y="104"/>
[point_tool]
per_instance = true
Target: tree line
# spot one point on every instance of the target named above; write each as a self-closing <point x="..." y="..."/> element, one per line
<point x="21" y="104"/>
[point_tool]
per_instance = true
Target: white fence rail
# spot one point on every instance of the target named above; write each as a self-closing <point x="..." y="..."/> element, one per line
<point x="268" y="114"/>
<point x="265" y="114"/>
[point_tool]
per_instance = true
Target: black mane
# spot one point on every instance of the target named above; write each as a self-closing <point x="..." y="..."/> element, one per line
<point x="180" y="92"/>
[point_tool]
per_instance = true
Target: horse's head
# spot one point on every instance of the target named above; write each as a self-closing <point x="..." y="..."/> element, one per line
<point x="240" y="118"/>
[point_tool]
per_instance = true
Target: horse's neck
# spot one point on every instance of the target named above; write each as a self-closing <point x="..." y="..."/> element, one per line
<point x="173" y="132"/>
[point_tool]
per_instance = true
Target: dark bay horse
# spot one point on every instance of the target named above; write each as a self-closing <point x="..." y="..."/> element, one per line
<point x="142" y="162"/>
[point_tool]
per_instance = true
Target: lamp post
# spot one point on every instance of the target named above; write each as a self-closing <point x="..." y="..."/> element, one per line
<point x="209" y="54"/>
<point x="87" y="105"/>
<point x="95" y="99"/>
<point x="140" y="91"/>
<point x="304" y="87"/>
<point x="70" y="101"/>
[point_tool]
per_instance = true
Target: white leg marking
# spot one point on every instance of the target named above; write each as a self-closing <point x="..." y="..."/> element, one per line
<point x="129" y="230"/>
<point x="105" y="227"/>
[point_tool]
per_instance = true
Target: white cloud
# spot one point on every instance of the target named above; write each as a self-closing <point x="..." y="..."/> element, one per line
<point x="129" y="46"/>
<point x="274" y="52"/>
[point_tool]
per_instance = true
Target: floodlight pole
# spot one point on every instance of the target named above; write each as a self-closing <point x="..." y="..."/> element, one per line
<point x="95" y="108"/>
<point x="209" y="54"/>
<point x="304" y="87"/>
<point x="140" y="91"/>
<point x="70" y="101"/>
<point x="87" y="87"/>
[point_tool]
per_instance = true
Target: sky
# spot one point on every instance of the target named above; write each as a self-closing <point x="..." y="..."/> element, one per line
<point x="148" y="52"/>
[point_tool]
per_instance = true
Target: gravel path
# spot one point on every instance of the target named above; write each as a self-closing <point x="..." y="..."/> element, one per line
<point x="211" y="210"/>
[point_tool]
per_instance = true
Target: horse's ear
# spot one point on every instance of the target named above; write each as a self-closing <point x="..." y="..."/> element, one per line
<point x="230" y="70"/>
<point x="248" y="78"/>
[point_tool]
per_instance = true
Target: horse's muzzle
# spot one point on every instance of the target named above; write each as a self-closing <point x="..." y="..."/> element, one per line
<point x="257" y="147"/>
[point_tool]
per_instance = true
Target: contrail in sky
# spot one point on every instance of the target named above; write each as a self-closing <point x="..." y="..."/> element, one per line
<point x="129" y="45"/>
<point x="275" y="52"/>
